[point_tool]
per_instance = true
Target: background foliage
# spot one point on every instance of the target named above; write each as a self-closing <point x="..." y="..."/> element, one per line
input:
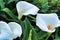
<point x="9" y="13"/>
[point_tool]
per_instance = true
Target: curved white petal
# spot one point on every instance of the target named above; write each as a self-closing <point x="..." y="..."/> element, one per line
<point x="50" y="19"/>
<point x="57" y="24"/>
<point x="32" y="11"/>
<point x="28" y="8"/>
<point x="5" y="36"/>
<point x="41" y="24"/>
<point x="5" y="32"/>
<point x="4" y="26"/>
<point x="16" y="29"/>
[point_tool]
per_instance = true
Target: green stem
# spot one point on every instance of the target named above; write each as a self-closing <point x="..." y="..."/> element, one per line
<point x="30" y="35"/>
<point x="19" y="17"/>
<point x="48" y="36"/>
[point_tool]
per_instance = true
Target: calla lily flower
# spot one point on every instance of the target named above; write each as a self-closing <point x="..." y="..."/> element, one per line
<point x="16" y="29"/>
<point x="9" y="31"/>
<point x="5" y="31"/>
<point x="25" y="8"/>
<point x="47" y="22"/>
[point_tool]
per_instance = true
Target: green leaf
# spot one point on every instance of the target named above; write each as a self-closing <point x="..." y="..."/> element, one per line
<point x="10" y="1"/>
<point x="41" y="35"/>
<point x="27" y="33"/>
<point x="54" y="1"/>
<point x="54" y="11"/>
<point x="34" y="34"/>
<point x="30" y="35"/>
<point x="58" y="38"/>
<point x="26" y="29"/>
<point x="44" y="5"/>
<point x="58" y="3"/>
<point x="2" y="4"/>
<point x="31" y="18"/>
<point x="9" y="12"/>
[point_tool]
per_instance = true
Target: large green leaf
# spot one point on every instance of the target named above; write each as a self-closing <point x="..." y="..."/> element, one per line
<point x="9" y="12"/>
<point x="26" y="29"/>
<point x="27" y="32"/>
<point x="34" y="35"/>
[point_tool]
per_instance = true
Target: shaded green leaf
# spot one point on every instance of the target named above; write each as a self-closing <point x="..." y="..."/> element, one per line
<point x="2" y="4"/>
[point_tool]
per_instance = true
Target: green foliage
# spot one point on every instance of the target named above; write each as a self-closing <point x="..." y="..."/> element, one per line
<point x="44" y="5"/>
<point x="8" y="13"/>
<point x="2" y="3"/>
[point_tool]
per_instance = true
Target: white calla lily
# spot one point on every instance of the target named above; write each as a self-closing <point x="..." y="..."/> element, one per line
<point x="47" y="22"/>
<point x="5" y="31"/>
<point x="9" y="31"/>
<point x="25" y="8"/>
<point x="16" y="29"/>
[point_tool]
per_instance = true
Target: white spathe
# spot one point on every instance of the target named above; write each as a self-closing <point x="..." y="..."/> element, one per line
<point x="47" y="22"/>
<point x="5" y="31"/>
<point x="9" y="31"/>
<point x="16" y="29"/>
<point x="25" y="8"/>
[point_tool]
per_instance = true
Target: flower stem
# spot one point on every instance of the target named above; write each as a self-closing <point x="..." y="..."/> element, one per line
<point x="19" y="17"/>
<point x="48" y="36"/>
